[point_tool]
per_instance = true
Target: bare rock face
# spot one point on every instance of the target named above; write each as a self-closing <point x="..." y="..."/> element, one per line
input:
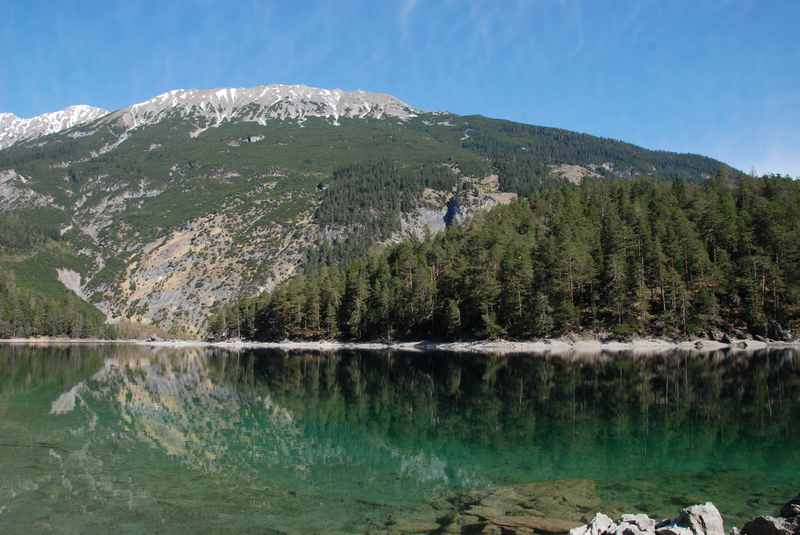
<point x="546" y="507"/>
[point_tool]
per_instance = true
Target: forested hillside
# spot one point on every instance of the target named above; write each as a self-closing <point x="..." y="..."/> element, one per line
<point x="639" y="256"/>
<point x="164" y="209"/>
<point x="38" y="305"/>
<point x="25" y="313"/>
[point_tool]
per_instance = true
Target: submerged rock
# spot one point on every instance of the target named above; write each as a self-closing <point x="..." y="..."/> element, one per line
<point x="547" y="507"/>
<point x="531" y="523"/>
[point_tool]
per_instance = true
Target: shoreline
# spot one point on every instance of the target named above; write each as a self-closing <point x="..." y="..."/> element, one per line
<point x="555" y="346"/>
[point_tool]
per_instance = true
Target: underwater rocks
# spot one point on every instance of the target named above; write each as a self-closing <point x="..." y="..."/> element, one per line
<point x="545" y="507"/>
<point x="549" y="507"/>
<point x="565" y="507"/>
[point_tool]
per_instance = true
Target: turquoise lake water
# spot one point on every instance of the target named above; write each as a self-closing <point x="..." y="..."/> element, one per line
<point x="125" y="439"/>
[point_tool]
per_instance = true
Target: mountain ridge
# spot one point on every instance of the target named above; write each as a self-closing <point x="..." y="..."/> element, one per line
<point x="14" y="129"/>
<point x="211" y="107"/>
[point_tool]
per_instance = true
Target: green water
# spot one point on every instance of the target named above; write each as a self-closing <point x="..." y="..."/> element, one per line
<point x="123" y="439"/>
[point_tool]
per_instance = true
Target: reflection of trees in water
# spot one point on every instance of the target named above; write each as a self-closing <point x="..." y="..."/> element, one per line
<point x="200" y="402"/>
<point x="23" y="368"/>
<point x="681" y="400"/>
<point x="674" y="386"/>
<point x="753" y="390"/>
<point x="369" y="426"/>
<point x="247" y="415"/>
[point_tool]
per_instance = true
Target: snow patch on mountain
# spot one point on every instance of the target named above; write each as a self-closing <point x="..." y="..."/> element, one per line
<point x="14" y="129"/>
<point x="212" y="107"/>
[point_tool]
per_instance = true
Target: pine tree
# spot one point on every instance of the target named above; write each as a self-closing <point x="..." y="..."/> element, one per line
<point x="542" y="316"/>
<point x="453" y="318"/>
<point x="354" y="302"/>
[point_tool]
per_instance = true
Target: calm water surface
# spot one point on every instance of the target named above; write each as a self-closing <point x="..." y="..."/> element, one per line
<point x="148" y="440"/>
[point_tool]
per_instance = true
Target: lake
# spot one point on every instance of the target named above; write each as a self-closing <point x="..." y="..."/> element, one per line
<point x="160" y="440"/>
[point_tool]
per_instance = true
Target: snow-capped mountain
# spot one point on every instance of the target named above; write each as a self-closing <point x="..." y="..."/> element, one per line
<point x="212" y="107"/>
<point x="14" y="129"/>
<point x="208" y="108"/>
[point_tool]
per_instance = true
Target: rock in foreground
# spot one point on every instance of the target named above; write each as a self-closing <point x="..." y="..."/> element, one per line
<point x="786" y="524"/>
<point x="695" y="520"/>
<point x="560" y="507"/>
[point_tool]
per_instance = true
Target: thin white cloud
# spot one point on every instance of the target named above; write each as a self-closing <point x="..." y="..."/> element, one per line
<point x="406" y="10"/>
<point x="777" y="161"/>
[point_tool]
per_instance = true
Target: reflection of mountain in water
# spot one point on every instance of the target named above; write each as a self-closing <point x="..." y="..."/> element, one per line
<point x="196" y="437"/>
<point x="216" y="410"/>
<point x="213" y="411"/>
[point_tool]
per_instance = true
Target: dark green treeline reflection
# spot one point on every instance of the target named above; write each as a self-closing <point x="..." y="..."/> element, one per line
<point x="259" y="431"/>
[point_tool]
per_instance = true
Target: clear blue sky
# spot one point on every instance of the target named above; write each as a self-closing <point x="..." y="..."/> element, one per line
<point x="716" y="77"/>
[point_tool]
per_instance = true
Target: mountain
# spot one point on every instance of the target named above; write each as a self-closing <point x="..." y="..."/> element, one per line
<point x="210" y="108"/>
<point x="157" y="212"/>
<point x="14" y="129"/>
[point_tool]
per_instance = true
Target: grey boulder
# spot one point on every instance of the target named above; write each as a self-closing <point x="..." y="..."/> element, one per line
<point x="600" y="525"/>
<point x="770" y="525"/>
<point x="701" y="519"/>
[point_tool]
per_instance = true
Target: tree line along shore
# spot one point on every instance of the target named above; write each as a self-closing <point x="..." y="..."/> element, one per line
<point x="612" y="258"/>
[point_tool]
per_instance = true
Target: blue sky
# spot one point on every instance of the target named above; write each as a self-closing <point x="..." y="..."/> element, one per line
<point x="718" y="77"/>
